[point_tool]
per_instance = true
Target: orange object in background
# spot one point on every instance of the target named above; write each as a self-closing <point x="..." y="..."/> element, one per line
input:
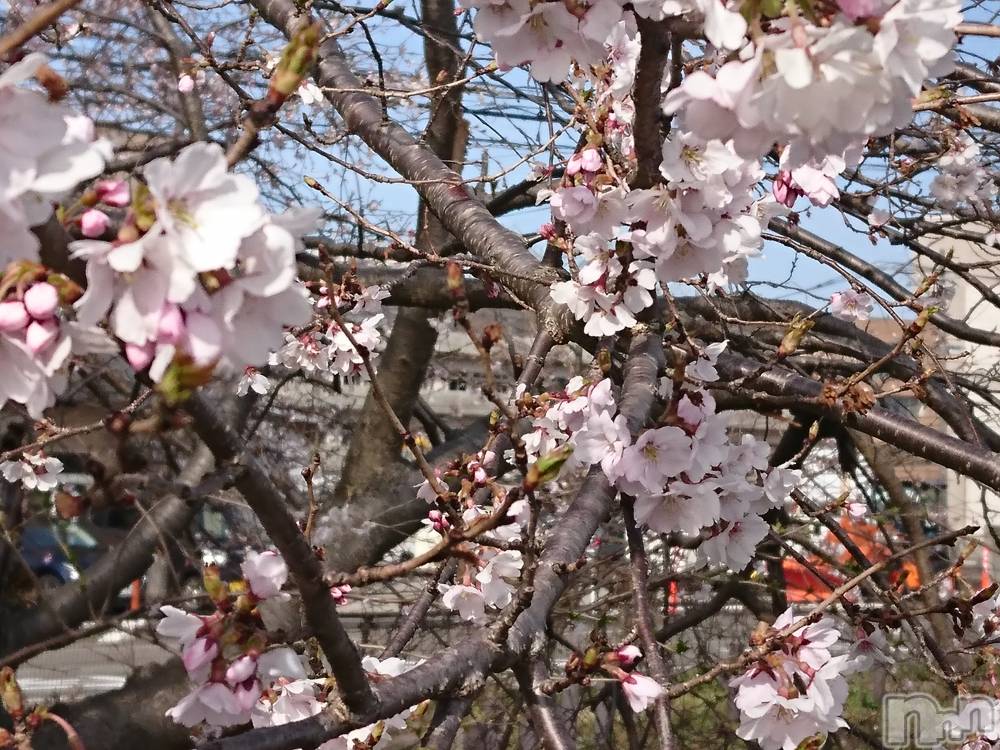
<point x="136" y="602"/>
<point x="672" y="597"/>
<point x="802" y="585"/>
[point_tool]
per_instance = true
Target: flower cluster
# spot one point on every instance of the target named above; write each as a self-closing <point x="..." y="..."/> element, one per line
<point x="548" y="35"/>
<point x="328" y="348"/>
<point x="796" y="691"/>
<point x="484" y="583"/>
<point x="239" y="676"/>
<point x="46" y="150"/>
<point x="551" y="35"/>
<point x="961" y="178"/>
<point x="293" y="700"/>
<point x="199" y="272"/>
<point x="35" y="338"/>
<point x="619" y="663"/>
<point x="701" y="221"/>
<point x="821" y="90"/>
<point x="226" y="654"/>
<point x="686" y="475"/>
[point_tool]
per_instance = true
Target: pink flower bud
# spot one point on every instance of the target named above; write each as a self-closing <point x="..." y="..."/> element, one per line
<point x="857" y="510"/>
<point x="241" y="670"/>
<point x="13" y="316"/>
<point x="574" y="165"/>
<point x="855" y="9"/>
<point x="439" y="522"/>
<point x="339" y="594"/>
<point x="784" y="189"/>
<point x="171" y="326"/>
<point x="185" y="84"/>
<point x="548" y="231"/>
<point x="198" y="653"/>
<point x="41" y="301"/>
<point x="139" y="356"/>
<point x="590" y="160"/>
<point x="40" y="334"/>
<point x="247" y="693"/>
<point x="113" y="192"/>
<point x="93" y="222"/>
<point x="628" y="655"/>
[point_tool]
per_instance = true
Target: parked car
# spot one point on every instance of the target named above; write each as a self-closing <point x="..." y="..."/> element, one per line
<point x="57" y="552"/>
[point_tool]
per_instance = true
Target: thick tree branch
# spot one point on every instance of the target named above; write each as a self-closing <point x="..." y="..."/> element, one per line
<point x="467" y="219"/>
<point x="271" y="507"/>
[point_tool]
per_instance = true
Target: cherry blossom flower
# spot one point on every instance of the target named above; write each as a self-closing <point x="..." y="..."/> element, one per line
<point x="656" y="456"/>
<point x="45" y="151"/>
<point x="735" y="545"/>
<point x="724" y="28"/>
<point x="588" y="160"/>
<point x="293" y="701"/>
<point x="623" y="47"/>
<point x="785" y="190"/>
<point x="628" y="655"/>
<point x="851" y="305"/>
<point x="213" y="703"/>
<point x="93" y="222"/>
<point x="199" y="653"/>
<point x="574" y="205"/>
<point x="867" y="649"/>
<point x="878" y="218"/>
<point x="178" y="624"/>
<point x="640" y="691"/>
<point x="796" y="692"/>
<point x="857" y="9"/>
<point x="962" y="178"/>
<point x="186" y="82"/>
<point x="425" y="491"/>
<point x="14" y="316"/>
<point x="437" y="520"/>
<point x="159" y="307"/>
<point x="253" y="380"/>
<point x="703" y="368"/>
<point x="686" y="508"/>
<point x="306" y="352"/>
<point x="915" y="38"/>
<point x="280" y="662"/>
<point x="266" y="572"/>
<point x="311" y="94"/>
<point x="241" y="669"/>
<point x="496" y="591"/>
<point x="603" y="439"/>
<point x="468" y="601"/>
<point x="857" y="510"/>
<point x="780" y="482"/>
<point x="34" y="471"/>
<point x="33" y="375"/>
<point x="113" y="192"/>
<point x="203" y="211"/>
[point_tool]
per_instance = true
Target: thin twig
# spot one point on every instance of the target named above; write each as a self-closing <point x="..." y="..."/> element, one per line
<point x="39" y="21"/>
